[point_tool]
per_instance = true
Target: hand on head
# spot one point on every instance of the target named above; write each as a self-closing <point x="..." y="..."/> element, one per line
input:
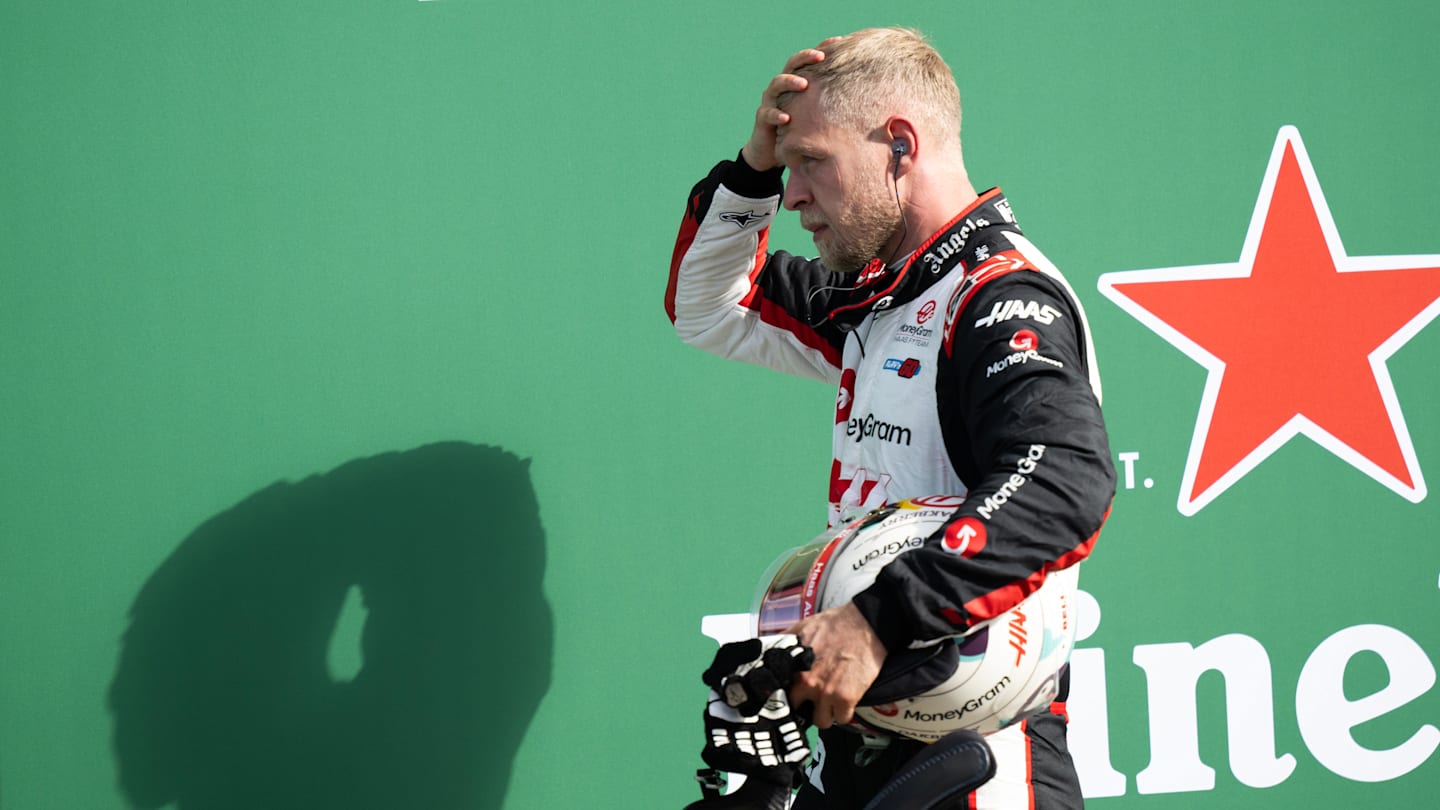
<point x="759" y="151"/>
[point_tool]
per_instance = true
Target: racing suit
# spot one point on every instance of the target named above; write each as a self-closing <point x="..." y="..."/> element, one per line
<point x="966" y="369"/>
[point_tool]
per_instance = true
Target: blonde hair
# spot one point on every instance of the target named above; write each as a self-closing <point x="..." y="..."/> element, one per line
<point x="870" y="73"/>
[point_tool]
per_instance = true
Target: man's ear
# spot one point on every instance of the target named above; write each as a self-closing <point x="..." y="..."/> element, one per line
<point x="904" y="142"/>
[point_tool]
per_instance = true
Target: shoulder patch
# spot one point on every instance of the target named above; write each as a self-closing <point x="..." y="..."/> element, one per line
<point x="1000" y="264"/>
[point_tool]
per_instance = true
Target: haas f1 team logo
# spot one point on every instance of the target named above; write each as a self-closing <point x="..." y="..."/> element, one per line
<point x="1295" y="337"/>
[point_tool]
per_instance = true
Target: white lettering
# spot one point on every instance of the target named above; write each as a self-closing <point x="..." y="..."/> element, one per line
<point x="1020" y="358"/>
<point x="1089" y="709"/>
<point x="1326" y="716"/>
<point x="936" y="256"/>
<point x="1129" y="459"/>
<point x="1171" y="672"/>
<point x="1026" y="465"/>
<point x="1008" y="310"/>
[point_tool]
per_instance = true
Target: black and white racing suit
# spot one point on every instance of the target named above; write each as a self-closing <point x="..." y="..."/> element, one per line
<point x="966" y="370"/>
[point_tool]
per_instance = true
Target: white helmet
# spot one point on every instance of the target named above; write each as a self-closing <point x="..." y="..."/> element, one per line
<point x="1000" y="671"/>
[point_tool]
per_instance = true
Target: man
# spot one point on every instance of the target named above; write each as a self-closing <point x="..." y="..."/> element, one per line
<point x="964" y="367"/>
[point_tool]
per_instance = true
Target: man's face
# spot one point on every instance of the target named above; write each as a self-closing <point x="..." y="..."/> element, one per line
<point x="838" y="183"/>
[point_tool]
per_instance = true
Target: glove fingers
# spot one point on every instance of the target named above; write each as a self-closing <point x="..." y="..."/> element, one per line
<point x="750" y="686"/>
<point x="750" y="693"/>
<point x="785" y="662"/>
<point x="753" y="745"/>
<point x="750" y="727"/>
<point x="729" y="658"/>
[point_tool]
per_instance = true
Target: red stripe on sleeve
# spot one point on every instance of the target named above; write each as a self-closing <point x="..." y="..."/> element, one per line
<point x="777" y="316"/>
<point x="1002" y="599"/>
<point x="757" y="263"/>
<point x="688" y="228"/>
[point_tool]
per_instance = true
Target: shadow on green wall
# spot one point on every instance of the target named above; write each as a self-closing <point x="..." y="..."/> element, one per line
<point x="226" y="694"/>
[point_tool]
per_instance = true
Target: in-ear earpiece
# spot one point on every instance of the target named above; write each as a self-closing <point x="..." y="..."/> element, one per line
<point x="899" y="148"/>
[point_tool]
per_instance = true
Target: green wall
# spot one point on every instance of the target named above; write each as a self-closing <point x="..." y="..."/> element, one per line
<point x="341" y="417"/>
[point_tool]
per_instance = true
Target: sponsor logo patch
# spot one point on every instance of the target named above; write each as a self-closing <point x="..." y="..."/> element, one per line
<point x="1025" y="341"/>
<point x="1025" y="467"/>
<point x="868" y="427"/>
<point x="935" y="257"/>
<point x="965" y="537"/>
<point x="741" y="219"/>
<point x="906" y="368"/>
<point x="914" y="334"/>
<point x="1015" y="308"/>
<point x="1019" y="358"/>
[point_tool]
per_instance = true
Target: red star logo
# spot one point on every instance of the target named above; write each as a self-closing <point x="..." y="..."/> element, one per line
<point x="1295" y="336"/>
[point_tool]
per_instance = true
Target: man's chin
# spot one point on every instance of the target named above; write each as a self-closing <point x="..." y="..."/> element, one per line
<point x="842" y="264"/>
<point x="846" y="260"/>
<point x="835" y="260"/>
<point x="827" y="256"/>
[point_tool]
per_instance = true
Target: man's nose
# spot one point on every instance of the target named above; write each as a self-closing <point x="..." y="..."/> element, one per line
<point x="797" y="194"/>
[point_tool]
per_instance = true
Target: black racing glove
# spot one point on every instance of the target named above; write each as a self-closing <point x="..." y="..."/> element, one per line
<point x="750" y="727"/>
<point x="747" y="674"/>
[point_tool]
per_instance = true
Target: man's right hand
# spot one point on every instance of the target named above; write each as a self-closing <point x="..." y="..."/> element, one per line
<point x="759" y="151"/>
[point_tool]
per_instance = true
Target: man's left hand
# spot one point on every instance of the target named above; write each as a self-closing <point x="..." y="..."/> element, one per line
<point x="848" y="657"/>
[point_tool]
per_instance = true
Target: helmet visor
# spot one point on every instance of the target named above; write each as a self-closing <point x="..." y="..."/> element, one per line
<point x="778" y="598"/>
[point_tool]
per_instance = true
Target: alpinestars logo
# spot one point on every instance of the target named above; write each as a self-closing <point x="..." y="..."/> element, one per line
<point x="741" y="219"/>
<point x="1338" y="317"/>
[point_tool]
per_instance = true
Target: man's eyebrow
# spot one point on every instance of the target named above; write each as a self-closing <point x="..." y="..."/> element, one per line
<point x="783" y="149"/>
<point x="781" y="132"/>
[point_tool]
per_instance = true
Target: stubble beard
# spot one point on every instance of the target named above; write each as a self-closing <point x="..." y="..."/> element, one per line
<point x="861" y="234"/>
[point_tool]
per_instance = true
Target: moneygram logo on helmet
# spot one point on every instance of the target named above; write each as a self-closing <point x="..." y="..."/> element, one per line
<point x="1340" y="318"/>
<point x="1001" y="671"/>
